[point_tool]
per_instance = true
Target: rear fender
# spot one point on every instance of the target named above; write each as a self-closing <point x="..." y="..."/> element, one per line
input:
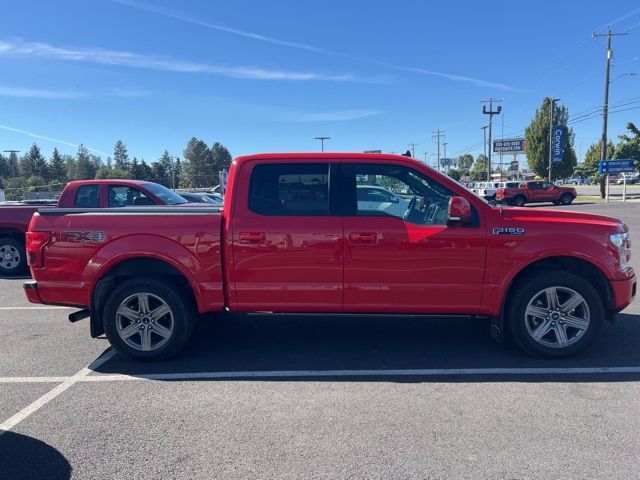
<point x="144" y="246"/>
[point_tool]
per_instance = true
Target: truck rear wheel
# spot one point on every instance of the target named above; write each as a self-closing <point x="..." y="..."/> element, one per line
<point x="554" y="314"/>
<point x="148" y="320"/>
<point x="13" y="259"/>
<point x="519" y="201"/>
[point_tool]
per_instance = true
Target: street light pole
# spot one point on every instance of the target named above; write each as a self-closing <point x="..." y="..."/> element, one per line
<point x="322" y="139"/>
<point x="551" y="104"/>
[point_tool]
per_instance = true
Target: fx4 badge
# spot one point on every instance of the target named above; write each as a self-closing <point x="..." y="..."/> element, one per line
<point x="82" y="237"/>
<point x="508" y="231"/>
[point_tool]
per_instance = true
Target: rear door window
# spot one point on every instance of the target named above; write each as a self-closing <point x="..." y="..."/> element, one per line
<point x="87" y="196"/>
<point x="124" y="196"/>
<point x="290" y="189"/>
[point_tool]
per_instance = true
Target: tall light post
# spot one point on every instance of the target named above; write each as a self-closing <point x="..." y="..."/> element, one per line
<point x="322" y="139"/>
<point x="551" y="104"/>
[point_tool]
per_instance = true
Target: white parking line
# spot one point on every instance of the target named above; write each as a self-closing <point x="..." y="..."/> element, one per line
<point x="44" y="307"/>
<point x="51" y="394"/>
<point x="425" y="372"/>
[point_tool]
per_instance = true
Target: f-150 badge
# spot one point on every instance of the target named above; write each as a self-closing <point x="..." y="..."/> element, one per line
<point x="508" y="231"/>
<point x="82" y="237"/>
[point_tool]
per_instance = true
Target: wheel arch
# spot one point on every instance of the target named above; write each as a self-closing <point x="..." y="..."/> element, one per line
<point x="133" y="267"/>
<point x="583" y="268"/>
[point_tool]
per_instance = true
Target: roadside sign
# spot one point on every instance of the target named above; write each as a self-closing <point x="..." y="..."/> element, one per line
<point x="509" y="145"/>
<point x="558" y="143"/>
<point x="617" y="166"/>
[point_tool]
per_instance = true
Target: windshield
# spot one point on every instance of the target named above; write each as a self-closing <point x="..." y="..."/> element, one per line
<point x="164" y="194"/>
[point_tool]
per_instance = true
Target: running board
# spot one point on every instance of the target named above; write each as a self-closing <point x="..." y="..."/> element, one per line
<point x="79" y="315"/>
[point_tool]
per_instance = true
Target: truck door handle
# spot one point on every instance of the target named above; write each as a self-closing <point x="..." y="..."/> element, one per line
<point x="361" y="238"/>
<point x="253" y="237"/>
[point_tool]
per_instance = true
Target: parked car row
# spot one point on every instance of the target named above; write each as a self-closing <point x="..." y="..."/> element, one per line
<point x="15" y="217"/>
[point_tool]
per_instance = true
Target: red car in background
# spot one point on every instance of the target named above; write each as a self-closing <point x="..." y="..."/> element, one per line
<point x="536" y="192"/>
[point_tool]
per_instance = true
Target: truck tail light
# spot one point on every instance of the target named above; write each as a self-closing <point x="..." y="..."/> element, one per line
<point x="36" y="241"/>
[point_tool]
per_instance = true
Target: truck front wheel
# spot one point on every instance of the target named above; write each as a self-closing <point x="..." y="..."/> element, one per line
<point x="566" y="199"/>
<point x="519" y="201"/>
<point x="554" y="314"/>
<point x="148" y="320"/>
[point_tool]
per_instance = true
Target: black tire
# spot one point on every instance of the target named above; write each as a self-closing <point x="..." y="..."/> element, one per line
<point x="15" y="261"/>
<point x="519" y="200"/>
<point x="528" y="289"/>
<point x="566" y="199"/>
<point x="181" y="312"/>
<point x="556" y="202"/>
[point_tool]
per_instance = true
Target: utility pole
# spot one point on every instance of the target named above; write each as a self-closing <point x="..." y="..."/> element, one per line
<point x="322" y="139"/>
<point x="436" y="136"/>
<point x="412" y="146"/>
<point x="605" y="106"/>
<point x="484" y="144"/>
<point x="425" y="157"/>
<point x="551" y="104"/>
<point x="491" y="113"/>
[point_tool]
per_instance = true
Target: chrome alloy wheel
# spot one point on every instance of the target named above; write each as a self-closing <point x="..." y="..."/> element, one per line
<point x="144" y="321"/>
<point x="9" y="257"/>
<point x="557" y="317"/>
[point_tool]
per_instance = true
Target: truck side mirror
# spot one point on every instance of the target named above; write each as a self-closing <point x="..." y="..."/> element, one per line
<point x="459" y="211"/>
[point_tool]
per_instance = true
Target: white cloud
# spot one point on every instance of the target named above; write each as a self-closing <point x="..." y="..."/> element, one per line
<point x="151" y="62"/>
<point x="187" y="17"/>
<point x="50" y="139"/>
<point x="37" y="93"/>
<point x="335" y="116"/>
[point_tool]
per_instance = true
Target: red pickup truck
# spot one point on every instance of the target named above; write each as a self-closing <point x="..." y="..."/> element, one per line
<point x="14" y="219"/>
<point x="300" y="233"/>
<point x="536" y="191"/>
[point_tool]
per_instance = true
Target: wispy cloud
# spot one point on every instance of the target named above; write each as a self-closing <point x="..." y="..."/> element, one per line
<point x="335" y="116"/>
<point x="45" y="94"/>
<point x="190" y="18"/>
<point x="152" y="62"/>
<point x="50" y="139"/>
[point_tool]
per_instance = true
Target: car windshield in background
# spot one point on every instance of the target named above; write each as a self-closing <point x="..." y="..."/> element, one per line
<point x="164" y="194"/>
<point x="195" y="197"/>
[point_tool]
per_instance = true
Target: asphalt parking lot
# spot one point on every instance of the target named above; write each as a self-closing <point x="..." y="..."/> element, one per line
<point x="301" y="397"/>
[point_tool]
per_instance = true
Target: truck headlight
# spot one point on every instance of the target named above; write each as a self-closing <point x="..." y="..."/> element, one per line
<point x="622" y="244"/>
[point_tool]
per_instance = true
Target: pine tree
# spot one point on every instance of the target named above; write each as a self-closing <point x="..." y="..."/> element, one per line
<point x="134" y="169"/>
<point x="163" y="170"/>
<point x="197" y="168"/>
<point x="4" y="167"/>
<point x="220" y="156"/>
<point x="57" y="170"/>
<point x="33" y="164"/>
<point x="145" y="171"/>
<point x="13" y="165"/>
<point x="85" y="165"/>
<point x="120" y="156"/>
<point x="538" y="145"/>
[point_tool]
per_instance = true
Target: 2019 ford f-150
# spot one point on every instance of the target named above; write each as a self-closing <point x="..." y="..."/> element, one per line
<point x="295" y="235"/>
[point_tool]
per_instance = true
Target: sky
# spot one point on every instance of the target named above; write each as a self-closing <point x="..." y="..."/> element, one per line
<point x="262" y="76"/>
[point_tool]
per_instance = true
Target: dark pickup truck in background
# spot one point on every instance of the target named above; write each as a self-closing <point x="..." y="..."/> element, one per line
<point x="14" y="219"/>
